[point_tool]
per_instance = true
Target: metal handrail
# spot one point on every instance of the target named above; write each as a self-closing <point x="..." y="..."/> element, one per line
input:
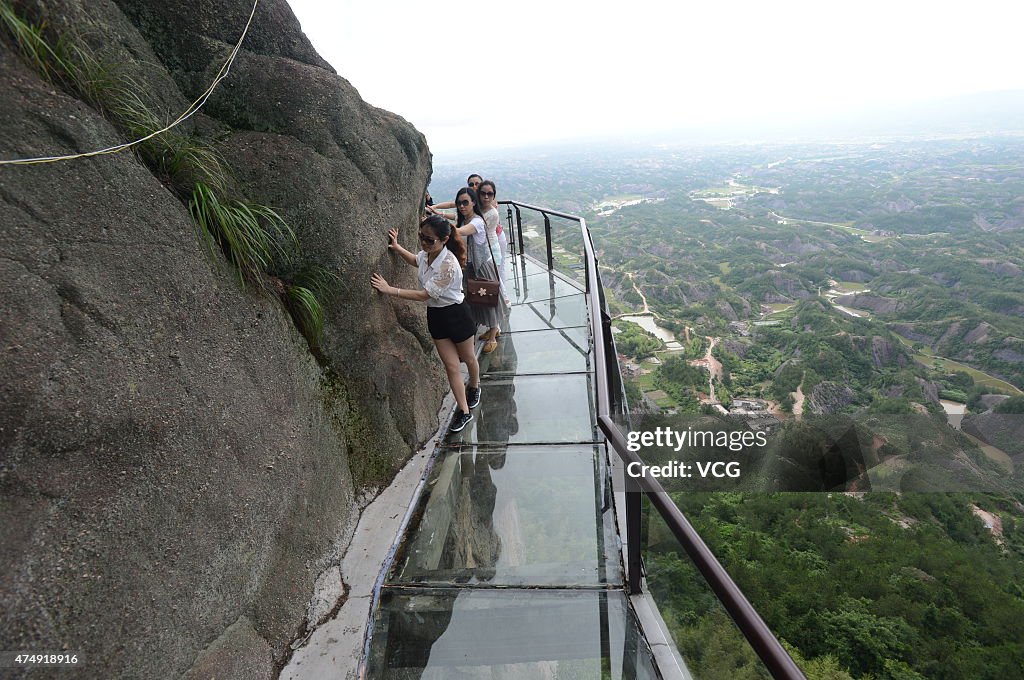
<point x="757" y="632"/>
<point x="771" y="652"/>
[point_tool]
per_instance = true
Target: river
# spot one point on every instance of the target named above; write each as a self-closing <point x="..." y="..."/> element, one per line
<point x="646" y="321"/>
<point x="954" y="412"/>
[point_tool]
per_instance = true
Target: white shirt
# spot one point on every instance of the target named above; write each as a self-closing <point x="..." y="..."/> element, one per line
<point x="442" y="279"/>
<point x="497" y="246"/>
<point x="491" y="219"/>
<point x="481" y="230"/>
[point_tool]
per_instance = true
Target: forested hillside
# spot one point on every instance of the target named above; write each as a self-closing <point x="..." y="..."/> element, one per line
<point x="856" y="301"/>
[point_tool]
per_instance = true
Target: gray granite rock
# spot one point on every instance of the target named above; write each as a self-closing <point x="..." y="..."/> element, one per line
<point x="173" y="458"/>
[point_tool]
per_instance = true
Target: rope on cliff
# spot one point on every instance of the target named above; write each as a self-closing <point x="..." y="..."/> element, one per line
<point x="188" y="113"/>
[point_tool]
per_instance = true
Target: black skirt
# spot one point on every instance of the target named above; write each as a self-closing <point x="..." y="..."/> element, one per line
<point x="451" y="322"/>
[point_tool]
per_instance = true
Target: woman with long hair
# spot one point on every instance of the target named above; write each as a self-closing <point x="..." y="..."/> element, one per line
<point x="473" y="182"/>
<point x="452" y="328"/>
<point x="488" y="194"/>
<point x="470" y="225"/>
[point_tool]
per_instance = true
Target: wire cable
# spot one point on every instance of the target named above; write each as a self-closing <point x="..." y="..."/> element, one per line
<point x="188" y="113"/>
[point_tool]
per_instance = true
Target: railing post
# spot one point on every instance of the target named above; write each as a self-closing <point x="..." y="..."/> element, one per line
<point x="634" y="509"/>
<point x="547" y="238"/>
<point x="585" y="233"/>
<point x="519" y="230"/>
<point x="510" y="237"/>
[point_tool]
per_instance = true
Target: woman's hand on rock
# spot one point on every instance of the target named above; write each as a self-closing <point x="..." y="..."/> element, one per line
<point x="379" y="284"/>
<point x="393" y="236"/>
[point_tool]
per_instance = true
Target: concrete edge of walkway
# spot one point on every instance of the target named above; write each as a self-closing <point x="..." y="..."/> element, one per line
<point x="333" y="649"/>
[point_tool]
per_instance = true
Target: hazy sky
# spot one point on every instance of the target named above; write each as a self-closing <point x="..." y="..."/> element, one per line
<point x="500" y="74"/>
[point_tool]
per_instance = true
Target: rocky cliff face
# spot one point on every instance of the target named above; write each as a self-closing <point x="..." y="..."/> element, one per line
<point x="875" y="303"/>
<point x="828" y="398"/>
<point x="176" y="468"/>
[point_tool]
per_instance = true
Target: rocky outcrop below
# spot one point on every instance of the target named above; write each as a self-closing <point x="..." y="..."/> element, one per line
<point x="1000" y="267"/>
<point x="1003" y="225"/>
<point x="787" y="285"/>
<point x="796" y="247"/>
<point x="979" y="334"/>
<point x="178" y="469"/>
<point x="1009" y="356"/>
<point x="929" y="389"/>
<point x="824" y="454"/>
<point x="726" y="310"/>
<point x="990" y="401"/>
<point x="736" y="347"/>
<point x="828" y="398"/>
<point x="912" y="333"/>
<point x="776" y="299"/>
<point x="952" y="332"/>
<point x="903" y="204"/>
<point x="884" y="352"/>
<point x="1004" y="431"/>
<point x="873" y="303"/>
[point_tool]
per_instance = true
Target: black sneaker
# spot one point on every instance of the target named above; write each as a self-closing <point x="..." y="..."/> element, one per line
<point x="473" y="396"/>
<point x="460" y="420"/>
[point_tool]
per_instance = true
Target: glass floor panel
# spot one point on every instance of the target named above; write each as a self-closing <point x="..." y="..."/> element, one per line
<point x="513" y="516"/>
<point x="559" y="351"/>
<point x="564" y="312"/>
<point x="536" y="263"/>
<point x="456" y="634"/>
<point x="540" y="287"/>
<point x="533" y="409"/>
<point x="526" y="266"/>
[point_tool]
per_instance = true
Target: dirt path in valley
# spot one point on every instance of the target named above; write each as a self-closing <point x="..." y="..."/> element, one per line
<point x="798" y="399"/>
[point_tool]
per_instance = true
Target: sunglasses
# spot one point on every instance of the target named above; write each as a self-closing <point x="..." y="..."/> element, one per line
<point x="486" y="194"/>
<point x="473" y="184"/>
<point x="463" y="204"/>
<point x="427" y="241"/>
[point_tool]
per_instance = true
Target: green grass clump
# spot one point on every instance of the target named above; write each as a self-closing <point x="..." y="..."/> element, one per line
<point x="64" y="61"/>
<point x="181" y="160"/>
<point x="28" y="36"/>
<point x="306" y="311"/>
<point x="306" y="289"/>
<point x="252" y="237"/>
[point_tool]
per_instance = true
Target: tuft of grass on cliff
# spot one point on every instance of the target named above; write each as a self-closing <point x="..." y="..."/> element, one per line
<point x="252" y="237"/>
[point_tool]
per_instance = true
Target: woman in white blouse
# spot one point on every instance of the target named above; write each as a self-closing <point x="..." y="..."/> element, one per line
<point x="451" y="326"/>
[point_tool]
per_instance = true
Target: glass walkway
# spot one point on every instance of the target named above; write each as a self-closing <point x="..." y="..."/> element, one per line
<point x="511" y="565"/>
<point x="522" y="555"/>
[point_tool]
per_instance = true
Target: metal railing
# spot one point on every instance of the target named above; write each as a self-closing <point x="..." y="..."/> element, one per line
<point x="611" y="401"/>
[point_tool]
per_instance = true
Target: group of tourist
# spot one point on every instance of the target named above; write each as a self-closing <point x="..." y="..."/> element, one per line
<point x="473" y="237"/>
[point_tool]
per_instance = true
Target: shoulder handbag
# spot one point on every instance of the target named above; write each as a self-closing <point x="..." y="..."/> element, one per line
<point x="483" y="292"/>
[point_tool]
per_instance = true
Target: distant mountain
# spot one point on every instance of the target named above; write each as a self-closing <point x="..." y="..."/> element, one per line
<point x="983" y="112"/>
<point x="963" y="115"/>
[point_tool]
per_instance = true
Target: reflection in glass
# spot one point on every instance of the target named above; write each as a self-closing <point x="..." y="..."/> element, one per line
<point x="548" y="409"/>
<point x="547" y="523"/>
<point x="563" y="312"/>
<point x="541" y="287"/>
<point x="450" y="634"/>
<point x="525" y="515"/>
<point x="565" y="350"/>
